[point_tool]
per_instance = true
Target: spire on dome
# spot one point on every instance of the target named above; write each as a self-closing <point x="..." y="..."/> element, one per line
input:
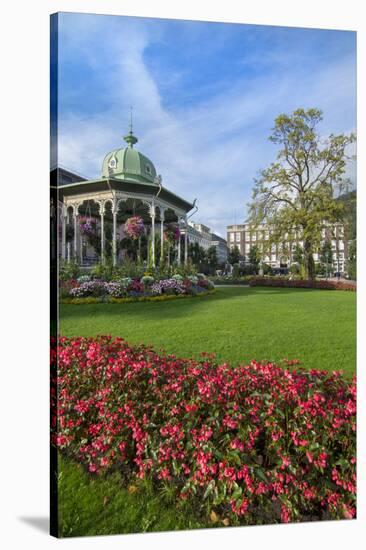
<point x="130" y="138"/>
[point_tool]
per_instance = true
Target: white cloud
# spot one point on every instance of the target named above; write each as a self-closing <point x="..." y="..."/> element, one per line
<point x="211" y="151"/>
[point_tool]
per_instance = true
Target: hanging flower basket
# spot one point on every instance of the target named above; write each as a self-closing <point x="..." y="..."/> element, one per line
<point x="88" y="227"/>
<point x="172" y="234"/>
<point x="134" y="227"/>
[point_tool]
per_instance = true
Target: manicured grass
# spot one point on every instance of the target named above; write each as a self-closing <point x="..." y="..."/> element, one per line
<point x="104" y="506"/>
<point x="238" y="324"/>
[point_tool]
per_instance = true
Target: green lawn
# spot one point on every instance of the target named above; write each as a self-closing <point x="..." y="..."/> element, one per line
<point x="104" y="506"/>
<point x="238" y="324"/>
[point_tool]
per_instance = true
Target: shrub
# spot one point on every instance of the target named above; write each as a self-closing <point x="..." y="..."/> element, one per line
<point x="236" y="271"/>
<point x="205" y="283"/>
<point x="301" y="283"/>
<point x="147" y="280"/>
<point x="96" y="287"/>
<point x="168" y="286"/>
<point x="102" y="271"/>
<point x="246" y="270"/>
<point x="69" y="270"/>
<point x="255" y="443"/>
<point x="66" y="286"/>
<point x="295" y="269"/>
<point x="83" y="279"/>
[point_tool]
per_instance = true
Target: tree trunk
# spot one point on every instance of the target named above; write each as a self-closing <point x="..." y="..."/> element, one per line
<point x="309" y="261"/>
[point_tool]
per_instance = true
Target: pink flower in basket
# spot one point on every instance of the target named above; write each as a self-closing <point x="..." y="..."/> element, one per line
<point x="172" y="233"/>
<point x="87" y="226"/>
<point x="134" y="227"/>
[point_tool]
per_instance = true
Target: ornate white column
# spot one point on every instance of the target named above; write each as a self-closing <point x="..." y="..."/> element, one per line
<point x="64" y="221"/>
<point x="186" y="241"/>
<point x="179" y="245"/>
<point x="101" y="212"/>
<point x="76" y="223"/>
<point x="114" y="241"/>
<point x="80" y="246"/>
<point x="152" y="216"/>
<point x="68" y="245"/>
<point x="162" y="213"/>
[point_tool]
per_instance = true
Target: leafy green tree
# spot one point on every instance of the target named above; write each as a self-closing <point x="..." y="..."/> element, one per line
<point x="254" y="256"/>
<point x="234" y="255"/>
<point x="349" y="201"/>
<point x="196" y="253"/>
<point x="296" y="193"/>
<point x="352" y="260"/>
<point x="212" y="257"/>
<point x="298" y="254"/>
<point x="326" y="257"/>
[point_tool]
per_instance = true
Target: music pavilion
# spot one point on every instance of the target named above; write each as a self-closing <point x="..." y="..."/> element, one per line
<point x="129" y="186"/>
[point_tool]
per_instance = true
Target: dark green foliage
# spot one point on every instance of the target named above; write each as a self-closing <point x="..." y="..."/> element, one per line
<point x="298" y="254"/>
<point x="352" y="260"/>
<point x="254" y="257"/>
<point x="326" y="258"/>
<point x="234" y="256"/>
<point x="212" y="257"/>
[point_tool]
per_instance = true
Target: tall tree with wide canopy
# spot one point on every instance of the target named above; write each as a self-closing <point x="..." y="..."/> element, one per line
<point x="296" y="196"/>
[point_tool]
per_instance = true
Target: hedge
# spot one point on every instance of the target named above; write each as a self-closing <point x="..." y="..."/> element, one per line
<point x="301" y="283"/>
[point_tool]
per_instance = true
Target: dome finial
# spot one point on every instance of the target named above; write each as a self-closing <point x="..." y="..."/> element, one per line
<point x="130" y="138"/>
<point x="131" y="119"/>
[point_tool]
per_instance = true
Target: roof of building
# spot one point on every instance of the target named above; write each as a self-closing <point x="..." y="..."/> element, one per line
<point x="127" y="163"/>
<point x="126" y="169"/>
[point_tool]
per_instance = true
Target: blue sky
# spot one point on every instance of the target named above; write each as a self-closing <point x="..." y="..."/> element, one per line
<point x="204" y="98"/>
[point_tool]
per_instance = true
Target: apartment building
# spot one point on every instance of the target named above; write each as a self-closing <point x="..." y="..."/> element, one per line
<point x="281" y="254"/>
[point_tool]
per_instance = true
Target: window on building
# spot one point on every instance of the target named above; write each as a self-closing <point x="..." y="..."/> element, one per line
<point x="232" y="237"/>
<point x="238" y="237"/>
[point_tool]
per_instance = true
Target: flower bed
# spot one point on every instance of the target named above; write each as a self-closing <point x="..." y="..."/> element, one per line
<point x="248" y="444"/>
<point x="301" y="283"/>
<point x="131" y="299"/>
<point x="126" y="287"/>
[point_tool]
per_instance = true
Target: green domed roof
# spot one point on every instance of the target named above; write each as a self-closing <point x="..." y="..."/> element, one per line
<point x="128" y="164"/>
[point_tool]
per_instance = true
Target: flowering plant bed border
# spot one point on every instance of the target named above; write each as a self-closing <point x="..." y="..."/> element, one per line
<point x="247" y="444"/>
<point x="301" y="283"/>
<point x="113" y="300"/>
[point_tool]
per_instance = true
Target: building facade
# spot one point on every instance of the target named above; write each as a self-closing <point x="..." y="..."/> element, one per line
<point x="222" y="250"/>
<point x="205" y="238"/>
<point x="281" y="255"/>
